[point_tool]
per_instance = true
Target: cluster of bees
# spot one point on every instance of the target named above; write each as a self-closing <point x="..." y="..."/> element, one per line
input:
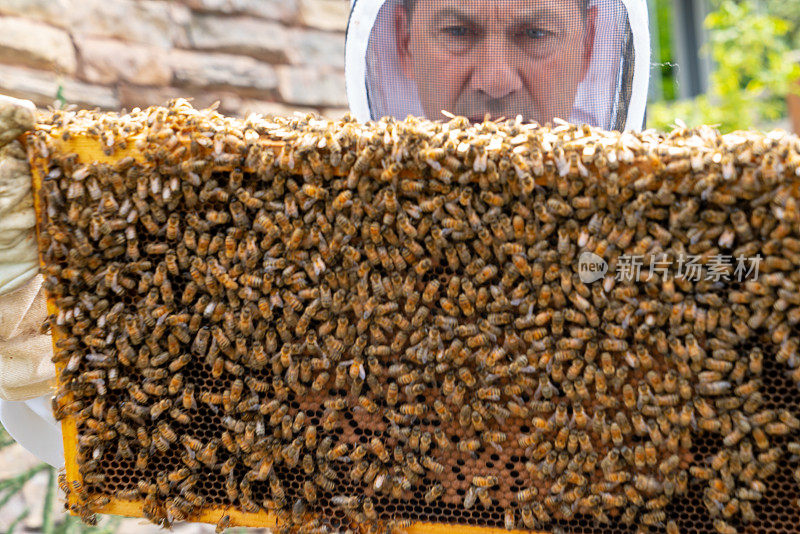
<point x="365" y="325"/>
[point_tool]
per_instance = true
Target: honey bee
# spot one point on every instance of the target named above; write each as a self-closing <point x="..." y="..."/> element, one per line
<point x="442" y="441"/>
<point x="655" y="518"/>
<point x="469" y="445"/>
<point x="528" y="518"/>
<point x="223" y="524"/>
<point x="379" y="449"/>
<point x="723" y="527"/>
<point x="484" y="481"/>
<point x="434" y="493"/>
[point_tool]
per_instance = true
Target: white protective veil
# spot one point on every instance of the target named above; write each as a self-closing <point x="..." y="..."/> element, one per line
<point x="610" y="94"/>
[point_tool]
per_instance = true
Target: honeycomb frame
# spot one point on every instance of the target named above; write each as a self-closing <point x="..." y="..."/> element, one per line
<point x="94" y="153"/>
<point x="90" y="151"/>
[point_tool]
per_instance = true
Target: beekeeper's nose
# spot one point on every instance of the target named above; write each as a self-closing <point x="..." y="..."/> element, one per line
<point x="495" y="74"/>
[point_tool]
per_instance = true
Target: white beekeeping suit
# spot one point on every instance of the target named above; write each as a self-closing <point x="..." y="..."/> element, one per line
<point x="579" y="60"/>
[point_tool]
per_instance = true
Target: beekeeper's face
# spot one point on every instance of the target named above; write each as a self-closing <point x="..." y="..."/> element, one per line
<point x="502" y="57"/>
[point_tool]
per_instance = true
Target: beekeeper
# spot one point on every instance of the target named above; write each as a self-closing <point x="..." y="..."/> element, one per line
<point x="584" y="61"/>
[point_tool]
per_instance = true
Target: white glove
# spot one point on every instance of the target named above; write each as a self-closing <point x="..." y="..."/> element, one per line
<point x="18" y="249"/>
<point x="26" y="369"/>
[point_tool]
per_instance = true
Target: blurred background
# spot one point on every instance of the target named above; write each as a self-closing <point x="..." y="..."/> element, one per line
<point x="731" y="63"/>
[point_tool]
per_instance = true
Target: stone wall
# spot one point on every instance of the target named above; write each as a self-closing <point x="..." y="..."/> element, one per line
<point x="264" y="56"/>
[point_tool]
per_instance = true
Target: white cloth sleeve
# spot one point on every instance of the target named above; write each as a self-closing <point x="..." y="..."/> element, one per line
<point x="26" y="368"/>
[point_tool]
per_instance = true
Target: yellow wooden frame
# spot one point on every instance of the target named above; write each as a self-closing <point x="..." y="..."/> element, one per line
<point x="89" y="151"/>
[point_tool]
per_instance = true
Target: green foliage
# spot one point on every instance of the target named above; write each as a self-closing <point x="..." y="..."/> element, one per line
<point x="15" y="523"/>
<point x="666" y="68"/>
<point x="754" y="70"/>
<point x="789" y="11"/>
<point x="73" y="525"/>
<point x="63" y="524"/>
<point x="12" y="486"/>
<point x="5" y="439"/>
<point x="60" y="100"/>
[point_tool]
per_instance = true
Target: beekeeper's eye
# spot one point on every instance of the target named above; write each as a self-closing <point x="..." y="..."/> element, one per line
<point x="456" y="36"/>
<point x="456" y="31"/>
<point x="536" y="33"/>
<point x="536" y="40"/>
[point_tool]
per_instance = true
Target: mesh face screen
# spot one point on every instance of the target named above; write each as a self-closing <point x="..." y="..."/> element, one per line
<point x="571" y="59"/>
<point x="373" y="325"/>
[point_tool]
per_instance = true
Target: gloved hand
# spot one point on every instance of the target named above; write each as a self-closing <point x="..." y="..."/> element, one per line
<point x="26" y="370"/>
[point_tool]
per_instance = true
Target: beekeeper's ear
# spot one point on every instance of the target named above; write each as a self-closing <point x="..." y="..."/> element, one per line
<point x="589" y="38"/>
<point x="402" y="31"/>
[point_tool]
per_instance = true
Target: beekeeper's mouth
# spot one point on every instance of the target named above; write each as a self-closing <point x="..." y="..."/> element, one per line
<point x="478" y="118"/>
